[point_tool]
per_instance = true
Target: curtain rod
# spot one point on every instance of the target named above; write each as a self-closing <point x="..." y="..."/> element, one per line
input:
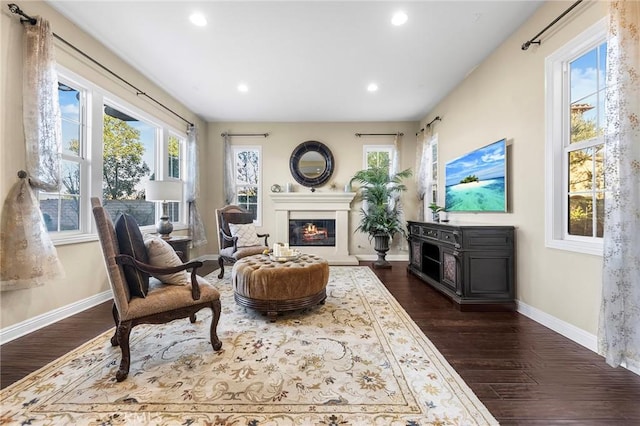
<point x="528" y="43"/>
<point x="264" y="135"/>
<point x="429" y="125"/>
<point x="15" y="9"/>
<point x="380" y="134"/>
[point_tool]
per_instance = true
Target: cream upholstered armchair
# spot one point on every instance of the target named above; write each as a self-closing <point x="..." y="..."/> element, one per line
<point x="237" y="236"/>
<point x="171" y="293"/>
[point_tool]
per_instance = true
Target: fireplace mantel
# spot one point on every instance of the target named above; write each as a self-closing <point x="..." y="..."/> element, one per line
<point x="317" y="205"/>
<point x="319" y="200"/>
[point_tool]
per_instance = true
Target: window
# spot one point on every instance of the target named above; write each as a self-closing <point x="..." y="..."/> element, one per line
<point x="61" y="210"/>
<point x="113" y="158"/>
<point x="433" y="145"/>
<point x="247" y="170"/>
<point x="377" y="156"/>
<point x="128" y="162"/>
<point x="576" y="88"/>
<point x="175" y="151"/>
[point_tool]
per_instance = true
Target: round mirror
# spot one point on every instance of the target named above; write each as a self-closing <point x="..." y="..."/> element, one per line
<point x="311" y="163"/>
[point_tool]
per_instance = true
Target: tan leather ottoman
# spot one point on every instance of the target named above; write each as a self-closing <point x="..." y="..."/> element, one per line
<point x="269" y="286"/>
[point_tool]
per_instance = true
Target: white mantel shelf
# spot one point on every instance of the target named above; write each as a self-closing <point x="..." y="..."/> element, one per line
<point x="317" y="205"/>
<point x="326" y="200"/>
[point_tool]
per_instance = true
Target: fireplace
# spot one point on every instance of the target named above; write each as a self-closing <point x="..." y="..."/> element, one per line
<point x="312" y="232"/>
<point x="328" y="211"/>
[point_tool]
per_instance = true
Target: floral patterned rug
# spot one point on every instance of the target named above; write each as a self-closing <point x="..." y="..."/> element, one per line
<point x="356" y="360"/>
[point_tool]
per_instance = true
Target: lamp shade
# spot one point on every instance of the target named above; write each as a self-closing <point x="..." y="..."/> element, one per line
<point x="164" y="190"/>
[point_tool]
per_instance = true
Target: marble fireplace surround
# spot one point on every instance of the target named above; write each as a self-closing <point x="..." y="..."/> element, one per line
<point x="316" y="205"/>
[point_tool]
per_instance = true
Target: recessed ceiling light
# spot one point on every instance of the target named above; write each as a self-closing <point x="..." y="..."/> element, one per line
<point x="243" y="88"/>
<point x="372" y="87"/>
<point x="399" y="18"/>
<point x="198" y="19"/>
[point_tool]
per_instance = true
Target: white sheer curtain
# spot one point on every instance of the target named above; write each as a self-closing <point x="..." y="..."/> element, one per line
<point x="28" y="258"/>
<point x="196" y="225"/>
<point x="619" y="326"/>
<point x="423" y="170"/>
<point x="228" y="178"/>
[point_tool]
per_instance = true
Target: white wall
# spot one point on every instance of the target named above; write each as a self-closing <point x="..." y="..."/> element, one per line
<point x="504" y="98"/>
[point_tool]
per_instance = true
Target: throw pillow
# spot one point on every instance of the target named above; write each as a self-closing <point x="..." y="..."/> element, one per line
<point x="246" y="233"/>
<point x="234" y="217"/>
<point x="130" y="242"/>
<point x="162" y="255"/>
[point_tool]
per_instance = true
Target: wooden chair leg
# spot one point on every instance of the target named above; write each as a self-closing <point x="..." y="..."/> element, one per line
<point x="215" y="341"/>
<point x="116" y="319"/>
<point x="124" y="330"/>
<point x="221" y="263"/>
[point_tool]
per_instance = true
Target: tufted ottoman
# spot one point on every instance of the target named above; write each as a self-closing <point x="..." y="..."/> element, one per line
<point x="268" y="286"/>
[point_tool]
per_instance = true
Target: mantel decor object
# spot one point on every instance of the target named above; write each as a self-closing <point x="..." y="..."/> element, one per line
<point x="276" y="188"/>
<point x="165" y="191"/>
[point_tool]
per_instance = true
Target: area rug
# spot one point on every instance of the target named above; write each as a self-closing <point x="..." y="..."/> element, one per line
<point x="358" y="359"/>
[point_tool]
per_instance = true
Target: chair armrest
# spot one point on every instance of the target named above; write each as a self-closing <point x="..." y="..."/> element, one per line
<point x="266" y="236"/>
<point x="225" y="236"/>
<point x="230" y="239"/>
<point x="125" y="259"/>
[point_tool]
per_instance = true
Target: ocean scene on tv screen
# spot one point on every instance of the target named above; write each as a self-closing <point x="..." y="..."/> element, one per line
<point x="476" y="181"/>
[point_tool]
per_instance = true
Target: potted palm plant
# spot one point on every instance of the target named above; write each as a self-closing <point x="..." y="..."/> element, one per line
<point x="380" y="214"/>
<point x="435" y="211"/>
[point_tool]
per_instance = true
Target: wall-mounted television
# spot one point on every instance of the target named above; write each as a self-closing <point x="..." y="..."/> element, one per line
<point x="477" y="181"/>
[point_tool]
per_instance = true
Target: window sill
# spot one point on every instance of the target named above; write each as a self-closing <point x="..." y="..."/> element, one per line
<point x="74" y="239"/>
<point x="152" y="230"/>
<point x="63" y="240"/>
<point x="594" y="249"/>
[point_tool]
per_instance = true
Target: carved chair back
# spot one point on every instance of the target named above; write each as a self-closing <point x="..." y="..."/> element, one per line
<point x="110" y="249"/>
<point x="225" y="216"/>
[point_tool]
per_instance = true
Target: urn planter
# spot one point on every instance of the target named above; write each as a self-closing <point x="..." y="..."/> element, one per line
<point x="381" y="246"/>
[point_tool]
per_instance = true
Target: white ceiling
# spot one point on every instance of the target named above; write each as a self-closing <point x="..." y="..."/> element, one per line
<point x="302" y="60"/>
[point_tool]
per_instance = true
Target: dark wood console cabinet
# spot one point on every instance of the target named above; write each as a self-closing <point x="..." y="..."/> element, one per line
<point x="472" y="264"/>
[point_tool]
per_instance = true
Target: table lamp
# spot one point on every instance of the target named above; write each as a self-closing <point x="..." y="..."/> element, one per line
<point x="165" y="191"/>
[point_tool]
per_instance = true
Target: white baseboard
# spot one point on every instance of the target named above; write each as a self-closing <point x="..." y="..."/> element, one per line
<point x="569" y="331"/>
<point x="389" y="257"/>
<point x="205" y="257"/>
<point x="12" y="332"/>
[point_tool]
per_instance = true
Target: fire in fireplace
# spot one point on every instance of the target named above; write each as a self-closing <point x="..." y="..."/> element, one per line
<point x="312" y="232"/>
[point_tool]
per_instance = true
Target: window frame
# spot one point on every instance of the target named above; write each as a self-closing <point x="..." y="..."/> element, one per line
<point x="432" y="185"/>
<point x="91" y="174"/>
<point x="80" y="158"/>
<point x="367" y="149"/>
<point x="557" y="121"/>
<point x="236" y="149"/>
<point x="182" y="169"/>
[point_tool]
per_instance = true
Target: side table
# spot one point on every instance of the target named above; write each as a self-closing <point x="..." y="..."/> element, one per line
<point x="181" y="245"/>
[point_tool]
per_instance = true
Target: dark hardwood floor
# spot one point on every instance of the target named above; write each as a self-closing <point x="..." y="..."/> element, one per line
<point x="524" y="373"/>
